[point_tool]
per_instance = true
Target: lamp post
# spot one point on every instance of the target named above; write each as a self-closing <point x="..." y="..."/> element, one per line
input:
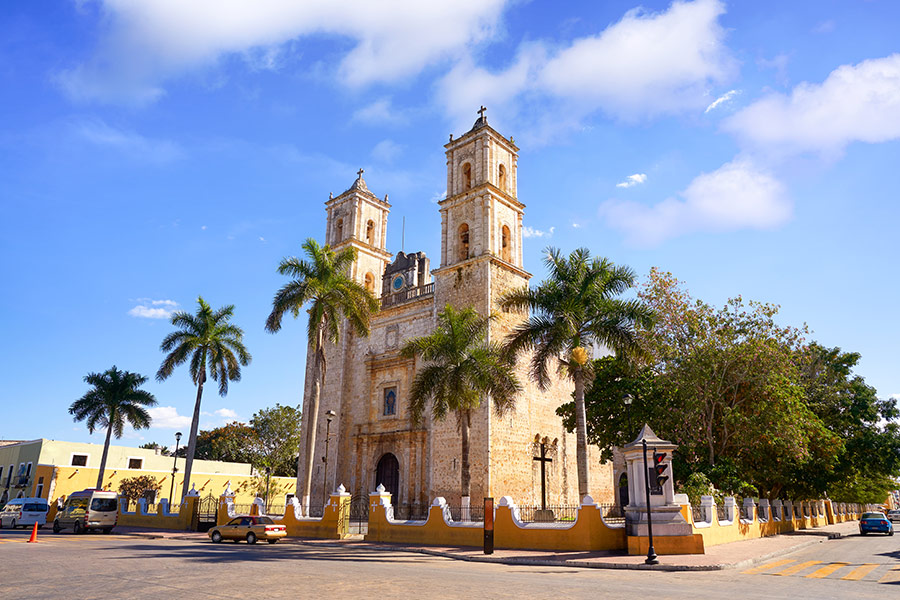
<point x="268" y="472"/>
<point x="651" y="552"/>
<point x="328" y="417"/>
<point x="174" y="466"/>
<point x="628" y="399"/>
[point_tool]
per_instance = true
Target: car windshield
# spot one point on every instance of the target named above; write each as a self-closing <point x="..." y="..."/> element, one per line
<point x="873" y="516"/>
<point x="104" y="504"/>
<point x="36" y="507"/>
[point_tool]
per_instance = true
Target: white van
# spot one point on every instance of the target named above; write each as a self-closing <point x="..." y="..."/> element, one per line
<point x="88" y="509"/>
<point x="24" y="512"/>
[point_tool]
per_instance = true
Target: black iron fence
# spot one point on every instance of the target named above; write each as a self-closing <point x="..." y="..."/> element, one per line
<point x="721" y="513"/>
<point x="411" y="512"/>
<point x="465" y="514"/>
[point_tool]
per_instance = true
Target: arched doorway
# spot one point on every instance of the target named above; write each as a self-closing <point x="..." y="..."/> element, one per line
<point x="387" y="473"/>
<point x="623" y="490"/>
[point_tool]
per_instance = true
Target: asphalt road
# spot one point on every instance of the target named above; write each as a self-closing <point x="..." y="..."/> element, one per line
<point x="125" y="567"/>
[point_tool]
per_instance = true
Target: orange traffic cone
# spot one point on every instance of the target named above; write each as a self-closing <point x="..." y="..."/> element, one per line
<point x="33" y="534"/>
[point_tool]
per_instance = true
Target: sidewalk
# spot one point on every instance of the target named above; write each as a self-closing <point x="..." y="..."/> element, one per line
<point x="736" y="555"/>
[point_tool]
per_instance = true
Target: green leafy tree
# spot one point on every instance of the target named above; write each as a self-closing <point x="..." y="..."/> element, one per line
<point x="575" y="308"/>
<point x="232" y="442"/>
<point x="211" y="343"/>
<point x="461" y="369"/>
<point x="323" y="282"/>
<point x="276" y="441"/>
<point x="164" y="450"/>
<point x="134" y="488"/>
<point x="115" y="398"/>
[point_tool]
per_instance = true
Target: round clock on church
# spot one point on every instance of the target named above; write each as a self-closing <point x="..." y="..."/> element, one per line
<point x="397" y="283"/>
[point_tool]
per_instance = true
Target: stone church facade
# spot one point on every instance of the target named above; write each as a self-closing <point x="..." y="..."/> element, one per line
<point x="372" y="439"/>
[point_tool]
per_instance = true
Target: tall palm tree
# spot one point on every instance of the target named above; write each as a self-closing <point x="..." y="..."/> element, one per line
<point x="322" y="281"/>
<point x="574" y="309"/>
<point x="461" y="368"/>
<point x="114" y="399"/>
<point x="211" y="343"/>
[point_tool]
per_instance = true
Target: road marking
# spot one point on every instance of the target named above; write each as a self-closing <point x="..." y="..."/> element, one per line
<point x="860" y="572"/>
<point x="826" y="570"/>
<point x="766" y="567"/>
<point x="797" y="568"/>
<point x="892" y="576"/>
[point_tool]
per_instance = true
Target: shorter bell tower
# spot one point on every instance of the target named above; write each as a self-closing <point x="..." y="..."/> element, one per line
<point x="358" y="218"/>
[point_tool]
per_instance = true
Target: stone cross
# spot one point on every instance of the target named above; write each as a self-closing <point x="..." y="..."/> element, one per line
<point x="543" y="460"/>
<point x="481" y="111"/>
<point x="359" y="173"/>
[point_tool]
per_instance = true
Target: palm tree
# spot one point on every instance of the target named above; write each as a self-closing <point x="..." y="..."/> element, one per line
<point x="210" y="342"/>
<point x="113" y="400"/>
<point x="461" y="368"/>
<point x="324" y="283"/>
<point x="572" y="310"/>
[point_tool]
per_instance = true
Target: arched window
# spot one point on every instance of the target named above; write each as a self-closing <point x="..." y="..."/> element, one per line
<point x="370" y="232"/>
<point x="501" y="178"/>
<point x="370" y="283"/>
<point x="505" y="249"/>
<point x="390" y="401"/>
<point x="467" y="176"/>
<point x="339" y="231"/>
<point x="463" y="241"/>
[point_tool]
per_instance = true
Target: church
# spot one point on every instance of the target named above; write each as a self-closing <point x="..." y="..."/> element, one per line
<point x="371" y="439"/>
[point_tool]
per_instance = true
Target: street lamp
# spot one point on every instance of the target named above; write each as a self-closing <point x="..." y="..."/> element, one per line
<point x="628" y="399"/>
<point x="174" y="466"/>
<point x="328" y="417"/>
<point x="268" y="472"/>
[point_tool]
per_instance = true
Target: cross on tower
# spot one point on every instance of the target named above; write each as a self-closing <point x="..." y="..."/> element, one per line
<point x="359" y="173"/>
<point x="481" y="111"/>
<point x="543" y="460"/>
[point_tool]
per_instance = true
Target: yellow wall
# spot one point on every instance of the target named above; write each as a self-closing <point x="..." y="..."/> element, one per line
<point x="332" y="526"/>
<point x="588" y="532"/>
<point x="183" y="521"/>
<point x="73" y="479"/>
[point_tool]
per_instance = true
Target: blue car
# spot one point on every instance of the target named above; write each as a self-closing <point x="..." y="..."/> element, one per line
<point x="875" y="521"/>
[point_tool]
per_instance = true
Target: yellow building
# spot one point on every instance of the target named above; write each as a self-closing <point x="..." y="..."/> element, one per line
<point x="51" y="469"/>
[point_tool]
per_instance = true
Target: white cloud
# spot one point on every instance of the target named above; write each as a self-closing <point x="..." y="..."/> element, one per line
<point x="632" y="180"/>
<point x="226" y="413"/>
<point x="855" y="103"/>
<point x="530" y="232"/>
<point x="825" y="26"/>
<point x="148" y="41"/>
<point x="380" y="112"/>
<point x="386" y="151"/>
<point x="167" y="417"/>
<point x="721" y="100"/>
<point x="99" y="133"/>
<point x="737" y="195"/>
<point x="646" y="64"/>
<point x="153" y="309"/>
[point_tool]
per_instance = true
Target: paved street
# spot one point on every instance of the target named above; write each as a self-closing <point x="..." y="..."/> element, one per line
<point x="125" y="567"/>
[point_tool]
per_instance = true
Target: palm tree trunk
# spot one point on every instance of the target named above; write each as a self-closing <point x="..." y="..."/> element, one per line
<point x="465" y="480"/>
<point x="192" y="440"/>
<point x="581" y="450"/>
<point x="105" y="453"/>
<point x="313" y="418"/>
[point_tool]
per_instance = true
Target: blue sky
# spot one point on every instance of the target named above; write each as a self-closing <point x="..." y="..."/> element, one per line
<point x="154" y="150"/>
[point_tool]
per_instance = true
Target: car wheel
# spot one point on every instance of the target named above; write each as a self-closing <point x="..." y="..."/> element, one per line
<point x="216" y="537"/>
<point x="56" y="527"/>
<point x="78" y="529"/>
<point x="13" y="524"/>
<point x="862" y="533"/>
<point x="251" y="538"/>
<point x="272" y="541"/>
<point x="107" y="530"/>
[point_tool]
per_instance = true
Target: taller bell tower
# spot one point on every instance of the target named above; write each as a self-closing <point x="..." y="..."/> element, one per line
<point x="481" y="221"/>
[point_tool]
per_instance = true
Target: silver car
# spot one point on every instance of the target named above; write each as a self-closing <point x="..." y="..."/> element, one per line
<point x="894" y="515"/>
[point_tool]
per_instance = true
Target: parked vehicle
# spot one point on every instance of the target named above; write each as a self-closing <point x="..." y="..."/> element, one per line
<point x="250" y="529"/>
<point x="893" y="515"/>
<point x="875" y="521"/>
<point x="88" y="509"/>
<point x="24" y="512"/>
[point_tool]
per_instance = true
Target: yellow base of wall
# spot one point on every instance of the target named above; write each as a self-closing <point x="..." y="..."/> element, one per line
<point x="668" y="544"/>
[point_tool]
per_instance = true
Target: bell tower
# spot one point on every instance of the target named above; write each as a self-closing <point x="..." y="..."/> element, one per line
<point x="358" y="218"/>
<point x="481" y="220"/>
